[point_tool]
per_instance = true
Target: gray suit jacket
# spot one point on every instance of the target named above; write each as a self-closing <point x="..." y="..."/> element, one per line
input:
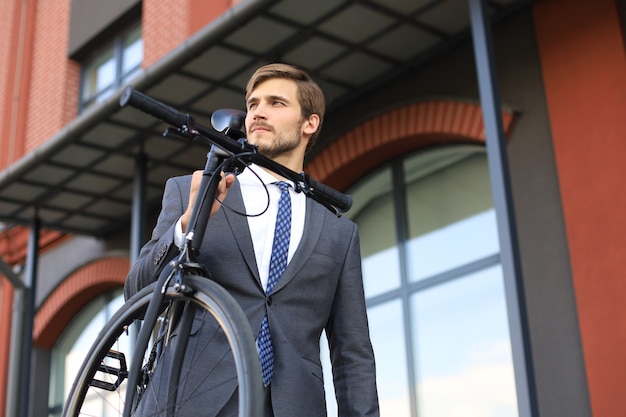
<point x="320" y="289"/>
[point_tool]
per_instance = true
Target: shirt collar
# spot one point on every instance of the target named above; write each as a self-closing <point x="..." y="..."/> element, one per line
<point x="266" y="177"/>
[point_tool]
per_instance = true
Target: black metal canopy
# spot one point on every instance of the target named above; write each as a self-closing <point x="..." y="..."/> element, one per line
<point x="81" y="180"/>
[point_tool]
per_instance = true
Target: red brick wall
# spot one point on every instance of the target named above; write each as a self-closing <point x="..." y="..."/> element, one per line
<point x="54" y="81"/>
<point x="7" y="23"/>
<point x="166" y="24"/>
<point x="12" y="32"/>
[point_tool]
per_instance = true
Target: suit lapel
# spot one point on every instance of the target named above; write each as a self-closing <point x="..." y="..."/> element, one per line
<point x="239" y="227"/>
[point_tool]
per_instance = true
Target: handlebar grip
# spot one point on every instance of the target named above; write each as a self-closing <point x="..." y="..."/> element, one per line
<point x="153" y="107"/>
<point x="342" y="202"/>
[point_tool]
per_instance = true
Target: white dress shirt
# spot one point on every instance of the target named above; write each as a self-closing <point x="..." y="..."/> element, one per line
<point x="262" y="225"/>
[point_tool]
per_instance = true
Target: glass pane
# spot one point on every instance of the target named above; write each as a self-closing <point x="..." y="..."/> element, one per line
<point x="451" y="220"/>
<point x="74" y="344"/>
<point x="331" y="401"/>
<point x="463" y="356"/>
<point x="373" y="211"/>
<point x="132" y="54"/>
<point x="389" y="342"/>
<point x="98" y="75"/>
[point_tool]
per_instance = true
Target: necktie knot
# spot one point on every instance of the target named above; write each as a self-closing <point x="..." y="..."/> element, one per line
<point x="283" y="186"/>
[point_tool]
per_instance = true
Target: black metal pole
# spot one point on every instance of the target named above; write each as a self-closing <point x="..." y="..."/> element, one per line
<point x="13" y="278"/>
<point x="138" y="216"/>
<point x="14" y="380"/>
<point x="32" y="262"/>
<point x="505" y="214"/>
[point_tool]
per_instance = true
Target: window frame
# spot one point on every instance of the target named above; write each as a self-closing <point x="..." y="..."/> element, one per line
<point x="116" y="46"/>
<point x="408" y="289"/>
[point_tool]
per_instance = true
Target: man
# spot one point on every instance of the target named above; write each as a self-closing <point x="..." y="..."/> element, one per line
<point x="320" y="289"/>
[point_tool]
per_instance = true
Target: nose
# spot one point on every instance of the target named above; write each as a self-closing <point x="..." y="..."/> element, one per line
<point x="254" y="115"/>
<point x="258" y="112"/>
<point x="250" y="118"/>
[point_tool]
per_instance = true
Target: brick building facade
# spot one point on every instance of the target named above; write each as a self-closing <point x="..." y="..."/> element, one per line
<point x="561" y="74"/>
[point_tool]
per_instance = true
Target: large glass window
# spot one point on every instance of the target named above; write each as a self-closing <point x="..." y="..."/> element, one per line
<point x="461" y="348"/>
<point x="450" y="217"/>
<point x="434" y="286"/>
<point x="73" y="346"/>
<point x="374" y="207"/>
<point x="111" y="67"/>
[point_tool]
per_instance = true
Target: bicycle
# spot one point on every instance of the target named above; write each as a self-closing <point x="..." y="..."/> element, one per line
<point x="167" y="307"/>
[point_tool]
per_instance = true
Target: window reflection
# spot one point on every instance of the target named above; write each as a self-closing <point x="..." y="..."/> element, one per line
<point x="99" y="75"/>
<point x="73" y="346"/>
<point x="381" y="272"/>
<point x="373" y="211"/>
<point x="462" y="348"/>
<point x="451" y="221"/>
<point x="436" y="302"/>
<point x="453" y="246"/>
<point x="389" y="342"/>
<point x="132" y="54"/>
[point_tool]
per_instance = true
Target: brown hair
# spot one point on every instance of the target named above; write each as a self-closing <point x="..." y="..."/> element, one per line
<point x="310" y="94"/>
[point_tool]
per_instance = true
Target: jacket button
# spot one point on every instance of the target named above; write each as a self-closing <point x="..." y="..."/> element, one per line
<point x="269" y="300"/>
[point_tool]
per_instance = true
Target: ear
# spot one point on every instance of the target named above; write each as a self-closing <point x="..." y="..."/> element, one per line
<point x="311" y="124"/>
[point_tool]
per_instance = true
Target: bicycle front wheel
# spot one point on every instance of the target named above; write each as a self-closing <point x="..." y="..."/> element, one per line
<point x="100" y="387"/>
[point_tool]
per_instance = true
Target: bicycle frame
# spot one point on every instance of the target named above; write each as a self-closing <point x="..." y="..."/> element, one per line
<point x="176" y="271"/>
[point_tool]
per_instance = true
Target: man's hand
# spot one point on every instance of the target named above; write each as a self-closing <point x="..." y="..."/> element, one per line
<point x="222" y="189"/>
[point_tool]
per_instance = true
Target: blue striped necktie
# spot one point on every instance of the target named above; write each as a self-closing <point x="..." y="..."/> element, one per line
<point x="278" y="263"/>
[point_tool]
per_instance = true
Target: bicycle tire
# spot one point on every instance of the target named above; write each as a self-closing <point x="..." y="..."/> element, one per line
<point x="207" y="295"/>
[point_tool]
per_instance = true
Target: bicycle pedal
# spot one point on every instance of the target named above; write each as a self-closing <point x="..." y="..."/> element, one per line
<point x="120" y="372"/>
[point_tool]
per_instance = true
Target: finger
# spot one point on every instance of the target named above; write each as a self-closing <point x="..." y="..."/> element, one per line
<point x="229" y="180"/>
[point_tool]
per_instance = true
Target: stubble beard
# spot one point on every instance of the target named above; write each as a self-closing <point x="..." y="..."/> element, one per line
<point x="282" y="143"/>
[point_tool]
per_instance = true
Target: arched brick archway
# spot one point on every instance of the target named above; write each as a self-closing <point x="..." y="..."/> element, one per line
<point x="76" y="291"/>
<point x="396" y="132"/>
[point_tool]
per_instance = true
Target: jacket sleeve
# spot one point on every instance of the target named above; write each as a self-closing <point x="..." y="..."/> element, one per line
<point x="160" y="249"/>
<point x="351" y="352"/>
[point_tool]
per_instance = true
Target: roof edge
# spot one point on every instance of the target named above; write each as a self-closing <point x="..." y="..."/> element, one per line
<point x="232" y="19"/>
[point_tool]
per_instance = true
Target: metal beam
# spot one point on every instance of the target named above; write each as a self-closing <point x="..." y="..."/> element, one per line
<point x="138" y="217"/>
<point x="13" y="278"/>
<point x="32" y="263"/>
<point x="505" y="214"/>
<point x="22" y="323"/>
<point x="15" y="354"/>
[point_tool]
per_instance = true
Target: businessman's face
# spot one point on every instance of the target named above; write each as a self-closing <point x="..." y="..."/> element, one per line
<point x="274" y="121"/>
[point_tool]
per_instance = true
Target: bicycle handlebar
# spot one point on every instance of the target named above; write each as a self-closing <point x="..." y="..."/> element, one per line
<point x="327" y="196"/>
